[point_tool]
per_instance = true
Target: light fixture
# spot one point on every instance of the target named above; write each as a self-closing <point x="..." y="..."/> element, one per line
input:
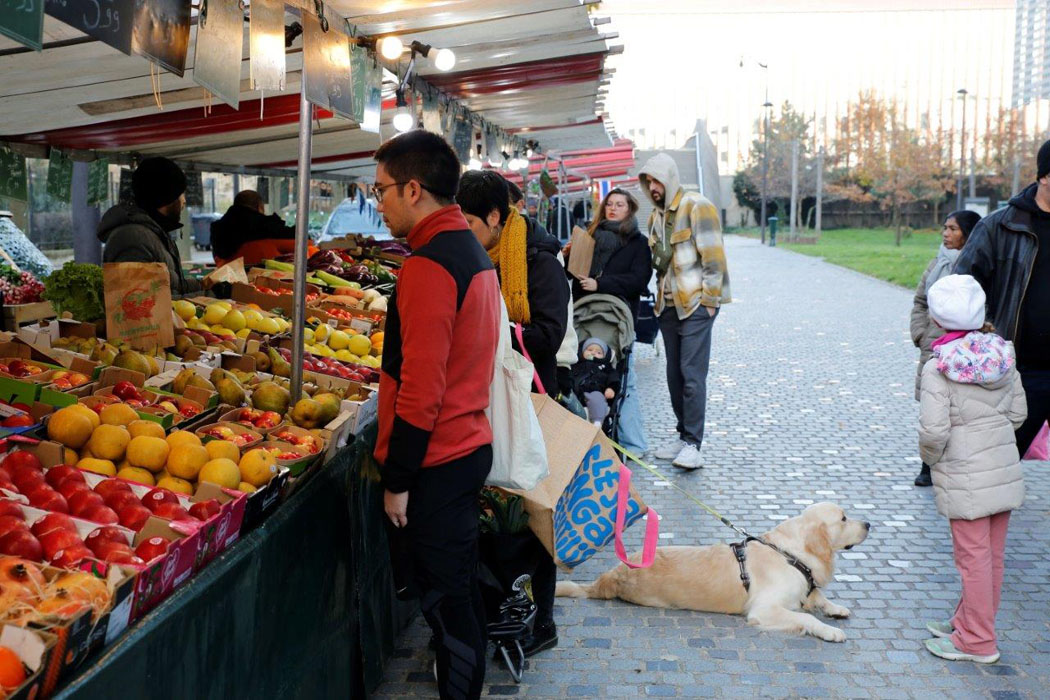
<point x="390" y="47"/>
<point x="403" y="119"/>
<point x="444" y="59"/>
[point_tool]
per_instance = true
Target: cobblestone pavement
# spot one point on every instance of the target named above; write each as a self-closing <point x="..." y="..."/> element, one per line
<point x="810" y="399"/>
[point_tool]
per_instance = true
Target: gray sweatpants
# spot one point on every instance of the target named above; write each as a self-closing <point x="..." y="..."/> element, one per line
<point x="688" y="345"/>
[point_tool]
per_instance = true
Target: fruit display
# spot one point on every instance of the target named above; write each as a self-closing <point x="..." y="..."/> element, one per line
<point x="230" y="432"/>
<point x="253" y="418"/>
<point x="19" y="368"/>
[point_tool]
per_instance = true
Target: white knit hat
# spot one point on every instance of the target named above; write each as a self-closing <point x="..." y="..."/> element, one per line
<point x="957" y="303"/>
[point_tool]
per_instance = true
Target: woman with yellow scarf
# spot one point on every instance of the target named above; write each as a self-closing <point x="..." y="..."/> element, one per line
<point x="532" y="279"/>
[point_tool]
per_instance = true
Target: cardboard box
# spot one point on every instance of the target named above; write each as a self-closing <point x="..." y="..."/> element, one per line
<point x="363" y="322"/>
<point x="223" y="529"/>
<point x="248" y="294"/>
<point x="264" y="501"/>
<point x="34" y="648"/>
<point x="162" y="384"/>
<point x="233" y="416"/>
<point x="295" y="466"/>
<point x="237" y="429"/>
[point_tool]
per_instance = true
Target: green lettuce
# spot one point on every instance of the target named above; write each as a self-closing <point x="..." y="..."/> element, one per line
<point x="77" y="288"/>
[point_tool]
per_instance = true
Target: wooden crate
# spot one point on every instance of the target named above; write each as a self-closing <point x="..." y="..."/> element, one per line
<point x="17" y="315"/>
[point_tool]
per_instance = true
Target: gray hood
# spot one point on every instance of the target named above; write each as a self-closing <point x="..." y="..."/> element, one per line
<point x="663" y="169"/>
<point x="123" y="214"/>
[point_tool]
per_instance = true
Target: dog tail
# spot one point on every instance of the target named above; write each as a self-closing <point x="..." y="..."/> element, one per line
<point x="604" y="588"/>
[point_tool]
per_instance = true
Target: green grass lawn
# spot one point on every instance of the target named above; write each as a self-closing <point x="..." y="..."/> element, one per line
<point x="872" y="252"/>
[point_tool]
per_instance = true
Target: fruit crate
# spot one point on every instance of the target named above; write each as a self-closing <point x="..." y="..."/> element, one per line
<point x="14" y="316"/>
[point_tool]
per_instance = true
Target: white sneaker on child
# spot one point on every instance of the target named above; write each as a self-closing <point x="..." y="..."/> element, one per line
<point x="688" y="458"/>
<point x="671" y="450"/>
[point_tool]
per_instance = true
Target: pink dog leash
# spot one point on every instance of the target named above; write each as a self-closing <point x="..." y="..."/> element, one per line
<point x="652" y="525"/>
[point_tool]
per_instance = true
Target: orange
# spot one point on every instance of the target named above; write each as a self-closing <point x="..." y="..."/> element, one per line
<point x="12" y="673"/>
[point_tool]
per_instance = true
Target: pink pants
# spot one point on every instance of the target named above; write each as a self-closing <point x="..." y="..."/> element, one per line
<point x="979" y="547"/>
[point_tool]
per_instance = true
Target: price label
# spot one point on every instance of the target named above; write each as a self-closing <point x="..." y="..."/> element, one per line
<point x="98" y="181"/>
<point x="59" y="175"/>
<point x="194" y="190"/>
<point x="13" y="175"/>
<point x="23" y="21"/>
<point x="109" y="21"/>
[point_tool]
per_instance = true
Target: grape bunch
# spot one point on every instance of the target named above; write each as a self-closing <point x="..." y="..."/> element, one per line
<point x="19" y="288"/>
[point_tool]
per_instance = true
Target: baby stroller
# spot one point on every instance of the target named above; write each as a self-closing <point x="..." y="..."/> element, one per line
<point x="608" y="318"/>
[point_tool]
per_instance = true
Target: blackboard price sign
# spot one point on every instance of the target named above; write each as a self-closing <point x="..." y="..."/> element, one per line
<point x="109" y="21"/>
<point x="23" y="21"/>
<point x="13" y="175"/>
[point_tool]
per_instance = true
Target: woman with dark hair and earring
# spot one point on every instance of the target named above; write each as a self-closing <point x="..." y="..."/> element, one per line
<point x="622" y="266"/>
<point x="957" y="228"/>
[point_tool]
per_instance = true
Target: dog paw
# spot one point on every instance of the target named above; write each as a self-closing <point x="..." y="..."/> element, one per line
<point x="831" y="634"/>
<point x="837" y="611"/>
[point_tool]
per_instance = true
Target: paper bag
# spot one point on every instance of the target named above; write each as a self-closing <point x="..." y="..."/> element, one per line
<point x="579" y="265"/>
<point x="230" y="272"/>
<point x="573" y="511"/>
<point x="138" y="304"/>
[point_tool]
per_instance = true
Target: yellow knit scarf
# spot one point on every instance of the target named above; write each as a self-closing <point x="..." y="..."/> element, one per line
<point x="509" y="257"/>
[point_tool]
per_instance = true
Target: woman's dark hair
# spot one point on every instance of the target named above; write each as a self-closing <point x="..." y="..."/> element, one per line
<point x="966" y="219"/>
<point x="632" y="207"/>
<point x="515" y="192"/>
<point x="481" y="191"/>
<point x="424" y="157"/>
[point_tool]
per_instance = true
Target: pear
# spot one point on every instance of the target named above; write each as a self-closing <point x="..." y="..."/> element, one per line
<point x="230" y="392"/>
<point x="262" y="361"/>
<point x="200" y="382"/>
<point x="182" y="380"/>
<point x="307" y="413"/>
<point x="270" y="396"/>
<point x="135" y="361"/>
<point x="330" y="404"/>
<point x="278" y="365"/>
<point x="183" y="344"/>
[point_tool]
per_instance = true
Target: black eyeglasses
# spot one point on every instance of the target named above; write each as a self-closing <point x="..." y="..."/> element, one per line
<point x="377" y="190"/>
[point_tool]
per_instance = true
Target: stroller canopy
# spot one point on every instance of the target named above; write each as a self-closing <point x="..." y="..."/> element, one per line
<point x="606" y="317"/>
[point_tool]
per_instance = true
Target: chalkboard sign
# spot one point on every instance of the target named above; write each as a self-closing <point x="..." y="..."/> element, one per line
<point x="109" y="21"/>
<point x="360" y="63"/>
<point x="23" y="21"/>
<point x="262" y="186"/>
<point x="59" y="175"/>
<point x="127" y="195"/>
<point x="98" y="181"/>
<point x="463" y="139"/>
<point x="373" y="98"/>
<point x="194" y="190"/>
<point x="13" y="175"/>
<point x="161" y="32"/>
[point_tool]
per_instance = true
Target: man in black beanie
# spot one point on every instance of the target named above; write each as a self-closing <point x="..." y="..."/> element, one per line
<point x="1009" y="254"/>
<point x="141" y="232"/>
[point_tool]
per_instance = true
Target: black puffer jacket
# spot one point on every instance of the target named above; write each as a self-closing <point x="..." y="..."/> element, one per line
<point x="548" y="305"/>
<point x="1001" y="254"/>
<point x="239" y="225"/>
<point x="627" y="273"/>
<point x="131" y="234"/>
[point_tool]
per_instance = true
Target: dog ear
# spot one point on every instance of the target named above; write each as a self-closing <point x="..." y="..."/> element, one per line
<point x="818" y="542"/>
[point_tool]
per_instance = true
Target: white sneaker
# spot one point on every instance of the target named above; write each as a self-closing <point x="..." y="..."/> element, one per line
<point x="671" y="450"/>
<point x="688" y="458"/>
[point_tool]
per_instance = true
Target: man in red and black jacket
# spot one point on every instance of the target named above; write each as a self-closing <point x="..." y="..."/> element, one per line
<point x="435" y="442"/>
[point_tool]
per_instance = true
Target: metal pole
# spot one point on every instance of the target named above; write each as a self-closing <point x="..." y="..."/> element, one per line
<point x="765" y="175"/>
<point x="962" y="155"/>
<point x="794" y="186"/>
<point x="302" y="222"/>
<point x="973" y="174"/>
<point x="86" y="246"/>
<point x="1016" y="186"/>
<point x="699" y="165"/>
<point x="820" y="187"/>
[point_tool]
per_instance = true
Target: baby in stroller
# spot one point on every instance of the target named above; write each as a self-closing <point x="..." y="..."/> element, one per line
<point x="595" y="378"/>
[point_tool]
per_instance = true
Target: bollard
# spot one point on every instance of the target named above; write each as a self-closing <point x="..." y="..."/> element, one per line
<point x="773" y="231"/>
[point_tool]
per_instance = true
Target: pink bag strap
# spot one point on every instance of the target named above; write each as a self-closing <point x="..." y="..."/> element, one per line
<point x="535" y="374"/>
<point x="652" y="525"/>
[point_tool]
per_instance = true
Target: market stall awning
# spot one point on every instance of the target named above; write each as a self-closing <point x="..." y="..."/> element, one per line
<point x="533" y="69"/>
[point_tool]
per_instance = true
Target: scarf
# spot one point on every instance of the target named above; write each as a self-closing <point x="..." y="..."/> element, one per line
<point x="942" y="265"/>
<point x="609" y="238"/>
<point x="508" y="255"/>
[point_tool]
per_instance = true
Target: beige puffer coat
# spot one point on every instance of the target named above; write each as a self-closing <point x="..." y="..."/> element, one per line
<point x="971" y="403"/>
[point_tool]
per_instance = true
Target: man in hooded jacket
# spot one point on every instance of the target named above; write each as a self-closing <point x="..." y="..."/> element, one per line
<point x="685" y="236"/>
<point x="245" y="231"/>
<point x="141" y="232"/>
<point x="1008" y="253"/>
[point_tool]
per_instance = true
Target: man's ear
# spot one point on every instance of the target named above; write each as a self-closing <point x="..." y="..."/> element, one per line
<point x="493" y="218"/>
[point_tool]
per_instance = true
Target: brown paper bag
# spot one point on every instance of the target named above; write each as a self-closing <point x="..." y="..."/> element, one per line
<point x="573" y="511"/>
<point x="138" y="304"/>
<point x="230" y="272"/>
<point x="579" y="265"/>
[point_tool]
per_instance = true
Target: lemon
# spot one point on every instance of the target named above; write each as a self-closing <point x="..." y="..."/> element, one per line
<point x="257" y="467"/>
<point x="324" y="351"/>
<point x="234" y="320"/>
<point x="359" y="345"/>
<point x="339" y="340"/>
<point x="223" y="472"/>
<point x="214" y="313"/>
<point x="243" y="333"/>
<point x="173" y="483"/>
<point x="184" y="309"/>
<point x="186" y="461"/>
<point x="252" y="318"/>
<point x="345" y="356"/>
<point x="308" y="335"/>
<point x="322" y="332"/>
<point x="268" y="326"/>
<point x="225" y="333"/>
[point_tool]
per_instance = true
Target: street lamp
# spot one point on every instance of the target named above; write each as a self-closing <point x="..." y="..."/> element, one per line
<point x="962" y="153"/>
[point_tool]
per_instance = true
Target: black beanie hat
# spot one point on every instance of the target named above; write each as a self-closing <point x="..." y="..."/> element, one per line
<point x="1043" y="161"/>
<point x="157" y="182"/>
<point x="966" y="219"/>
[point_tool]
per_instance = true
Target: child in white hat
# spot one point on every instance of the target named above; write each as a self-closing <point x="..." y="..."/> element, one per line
<point x="971" y="401"/>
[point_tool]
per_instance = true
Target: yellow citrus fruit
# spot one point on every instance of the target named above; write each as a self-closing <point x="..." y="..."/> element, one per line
<point x="85" y="453"/>
<point x="91" y="415"/>
<point x="223" y="472"/>
<point x="173" y="483"/>
<point x="244" y="332"/>
<point x="234" y="320"/>
<point x="69" y="427"/>
<point x="182" y="437"/>
<point x="139" y="428"/>
<point x="338" y="340"/>
<point x="214" y="313"/>
<point x="268" y="326"/>
<point x="185" y="461"/>
<point x="245" y="487"/>
<point x="223" y="449"/>
<point x="119" y="414"/>
<point x="359" y="345"/>
<point x="98" y="466"/>
<point x="70" y="457"/>
<point x="136" y="474"/>
<point x="148" y="452"/>
<point x="109" y="442"/>
<point x="184" y="309"/>
<point x="258" y="467"/>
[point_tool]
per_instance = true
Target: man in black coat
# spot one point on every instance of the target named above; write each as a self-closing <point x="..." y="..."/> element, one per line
<point x="246" y="221"/>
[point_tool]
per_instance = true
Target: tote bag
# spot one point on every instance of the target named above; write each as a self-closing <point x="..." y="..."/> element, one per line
<point x="519" y="455"/>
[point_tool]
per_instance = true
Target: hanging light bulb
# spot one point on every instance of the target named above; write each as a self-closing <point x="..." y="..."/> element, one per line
<point x="403" y="119"/>
<point x="528" y="152"/>
<point x="390" y="47"/>
<point x="444" y="59"/>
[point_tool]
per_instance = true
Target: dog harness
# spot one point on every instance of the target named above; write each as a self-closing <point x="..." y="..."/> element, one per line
<point x="740" y="552"/>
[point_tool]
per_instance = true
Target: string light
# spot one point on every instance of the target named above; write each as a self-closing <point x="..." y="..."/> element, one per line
<point x="390" y="48"/>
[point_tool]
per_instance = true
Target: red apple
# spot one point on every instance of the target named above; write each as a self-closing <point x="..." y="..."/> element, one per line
<point x="12" y="522"/>
<point x="55" y="540"/>
<point x="103" y="548"/>
<point x="20" y="420"/>
<point x="71" y="486"/>
<point x="27" y="479"/>
<point x="103" y="515"/>
<point x="56" y="475"/>
<point x="46" y="498"/>
<point x="157" y="497"/>
<point x="205" y="509"/>
<point x="107" y="486"/>
<point x="133" y="516"/>
<point x="21" y="458"/>
<point x="21" y="543"/>
<point x="80" y="501"/>
<point x="152" y="548"/>
<point x="11" y="508"/>
<point x="172" y="511"/>
<point x="125" y="390"/>
<point x="4" y="475"/>
<point x="53" y="521"/>
<point x="106" y="533"/>
<point x="126" y="559"/>
<point x="69" y="558"/>
<point x="118" y="499"/>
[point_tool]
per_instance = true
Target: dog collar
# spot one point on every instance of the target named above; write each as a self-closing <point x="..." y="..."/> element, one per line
<point x="740" y="552"/>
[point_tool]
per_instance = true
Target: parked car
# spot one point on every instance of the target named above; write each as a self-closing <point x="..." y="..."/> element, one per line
<point x="355" y="215"/>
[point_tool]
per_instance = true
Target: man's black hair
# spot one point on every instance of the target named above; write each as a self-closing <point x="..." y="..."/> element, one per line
<point x="515" y="192"/>
<point x="424" y="157"/>
<point x="481" y="191"/>
<point x="249" y="198"/>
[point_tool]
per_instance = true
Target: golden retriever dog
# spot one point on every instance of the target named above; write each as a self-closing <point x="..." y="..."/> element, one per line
<point x="708" y="578"/>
